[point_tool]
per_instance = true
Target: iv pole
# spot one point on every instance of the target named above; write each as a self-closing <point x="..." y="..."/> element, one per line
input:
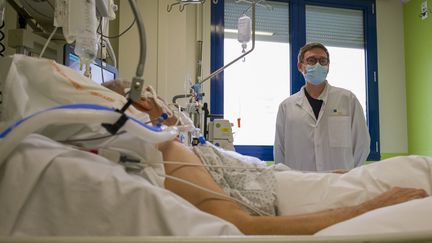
<point x="241" y="56"/>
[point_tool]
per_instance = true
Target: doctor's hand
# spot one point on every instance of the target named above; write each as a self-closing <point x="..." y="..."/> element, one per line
<point x="394" y="196"/>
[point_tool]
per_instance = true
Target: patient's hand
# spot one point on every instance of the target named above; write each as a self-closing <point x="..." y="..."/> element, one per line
<point x="394" y="196"/>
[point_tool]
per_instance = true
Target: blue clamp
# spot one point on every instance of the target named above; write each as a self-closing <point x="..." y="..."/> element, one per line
<point x="202" y="140"/>
<point x="197" y="90"/>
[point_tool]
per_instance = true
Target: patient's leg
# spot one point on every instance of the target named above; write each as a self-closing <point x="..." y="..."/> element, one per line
<point x="229" y="210"/>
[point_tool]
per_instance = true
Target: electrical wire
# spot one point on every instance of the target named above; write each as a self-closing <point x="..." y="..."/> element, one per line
<point x="101" y="50"/>
<point x="2" y="37"/>
<point x="68" y="141"/>
<point x="256" y="210"/>
<point x="122" y="33"/>
<point x="47" y="42"/>
<point x="110" y="52"/>
<point x="211" y="166"/>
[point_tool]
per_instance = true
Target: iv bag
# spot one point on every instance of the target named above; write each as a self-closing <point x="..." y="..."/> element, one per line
<point x="244" y="26"/>
<point x="86" y="39"/>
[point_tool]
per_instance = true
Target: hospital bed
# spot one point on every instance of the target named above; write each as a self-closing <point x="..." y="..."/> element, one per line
<point x="31" y="85"/>
<point x="391" y="238"/>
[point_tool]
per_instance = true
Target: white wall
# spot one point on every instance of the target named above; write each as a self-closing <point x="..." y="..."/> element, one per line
<point x="171" y="45"/>
<point x="391" y="77"/>
<point x="10" y="23"/>
<point x="171" y="57"/>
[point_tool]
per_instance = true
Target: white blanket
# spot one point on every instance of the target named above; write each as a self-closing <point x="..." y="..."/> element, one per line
<point x="300" y="192"/>
<point x="49" y="189"/>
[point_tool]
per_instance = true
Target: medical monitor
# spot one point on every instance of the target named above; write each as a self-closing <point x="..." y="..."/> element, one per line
<point x="97" y="67"/>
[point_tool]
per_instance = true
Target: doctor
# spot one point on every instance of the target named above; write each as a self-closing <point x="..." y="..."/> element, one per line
<point x="321" y="127"/>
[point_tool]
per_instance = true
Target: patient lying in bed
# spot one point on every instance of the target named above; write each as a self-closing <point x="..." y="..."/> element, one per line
<point x="292" y="202"/>
<point x="262" y="198"/>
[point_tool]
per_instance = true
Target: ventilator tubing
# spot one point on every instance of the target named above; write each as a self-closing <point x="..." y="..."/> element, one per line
<point x="79" y="114"/>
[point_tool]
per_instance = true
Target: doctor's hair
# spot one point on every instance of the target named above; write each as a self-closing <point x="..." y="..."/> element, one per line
<point x="310" y="46"/>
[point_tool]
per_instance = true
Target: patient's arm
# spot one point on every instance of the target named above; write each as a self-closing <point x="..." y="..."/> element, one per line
<point x="229" y="210"/>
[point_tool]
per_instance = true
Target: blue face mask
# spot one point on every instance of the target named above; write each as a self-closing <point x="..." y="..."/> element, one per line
<point x="315" y="74"/>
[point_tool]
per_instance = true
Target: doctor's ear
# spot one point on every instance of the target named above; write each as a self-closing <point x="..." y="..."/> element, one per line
<point x="300" y="67"/>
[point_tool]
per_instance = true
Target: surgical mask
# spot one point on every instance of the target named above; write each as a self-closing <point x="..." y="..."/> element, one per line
<point x="315" y="74"/>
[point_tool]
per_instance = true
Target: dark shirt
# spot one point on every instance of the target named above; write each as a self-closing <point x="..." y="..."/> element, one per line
<point x="314" y="103"/>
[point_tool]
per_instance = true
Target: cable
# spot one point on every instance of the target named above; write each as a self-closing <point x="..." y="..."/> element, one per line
<point x="2" y="37"/>
<point x="108" y="46"/>
<point x="101" y="50"/>
<point x="47" y="42"/>
<point x="122" y="33"/>
<point x="111" y="52"/>
<point x="210" y="166"/>
<point x="139" y="166"/>
<point x="256" y="210"/>
<point x="68" y="141"/>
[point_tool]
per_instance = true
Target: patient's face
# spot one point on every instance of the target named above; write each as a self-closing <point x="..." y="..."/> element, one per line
<point x="149" y="106"/>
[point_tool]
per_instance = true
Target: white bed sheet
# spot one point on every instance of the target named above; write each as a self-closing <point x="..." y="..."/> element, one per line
<point x="300" y="192"/>
<point x="47" y="189"/>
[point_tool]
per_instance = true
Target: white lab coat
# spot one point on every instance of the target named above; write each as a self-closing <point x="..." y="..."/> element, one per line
<point x="338" y="139"/>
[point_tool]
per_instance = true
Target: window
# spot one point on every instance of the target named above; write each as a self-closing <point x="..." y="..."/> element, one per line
<point x="252" y="90"/>
<point x="345" y="44"/>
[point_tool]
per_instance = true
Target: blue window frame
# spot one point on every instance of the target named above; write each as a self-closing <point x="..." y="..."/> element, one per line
<point x="297" y="24"/>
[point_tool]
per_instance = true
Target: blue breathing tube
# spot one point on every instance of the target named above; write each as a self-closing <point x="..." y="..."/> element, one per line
<point x="79" y="114"/>
<point x="5" y="132"/>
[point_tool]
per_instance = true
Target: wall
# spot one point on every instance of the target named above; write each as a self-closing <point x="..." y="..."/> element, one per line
<point x="391" y="78"/>
<point x="171" y="59"/>
<point x="418" y="40"/>
<point x="171" y="45"/>
<point x="10" y="23"/>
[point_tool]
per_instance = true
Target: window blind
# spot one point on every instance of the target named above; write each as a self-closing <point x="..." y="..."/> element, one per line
<point x="274" y="20"/>
<point x="335" y="26"/>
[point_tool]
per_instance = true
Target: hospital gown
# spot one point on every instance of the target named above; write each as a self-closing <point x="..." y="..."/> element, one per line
<point x="253" y="183"/>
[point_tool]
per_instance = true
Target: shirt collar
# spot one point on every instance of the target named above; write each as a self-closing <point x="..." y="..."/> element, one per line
<point x="323" y="96"/>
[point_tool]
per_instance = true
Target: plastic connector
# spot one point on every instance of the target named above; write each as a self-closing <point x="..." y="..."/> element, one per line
<point x="136" y="88"/>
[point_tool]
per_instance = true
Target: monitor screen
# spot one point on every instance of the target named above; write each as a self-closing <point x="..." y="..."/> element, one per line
<point x="101" y="71"/>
